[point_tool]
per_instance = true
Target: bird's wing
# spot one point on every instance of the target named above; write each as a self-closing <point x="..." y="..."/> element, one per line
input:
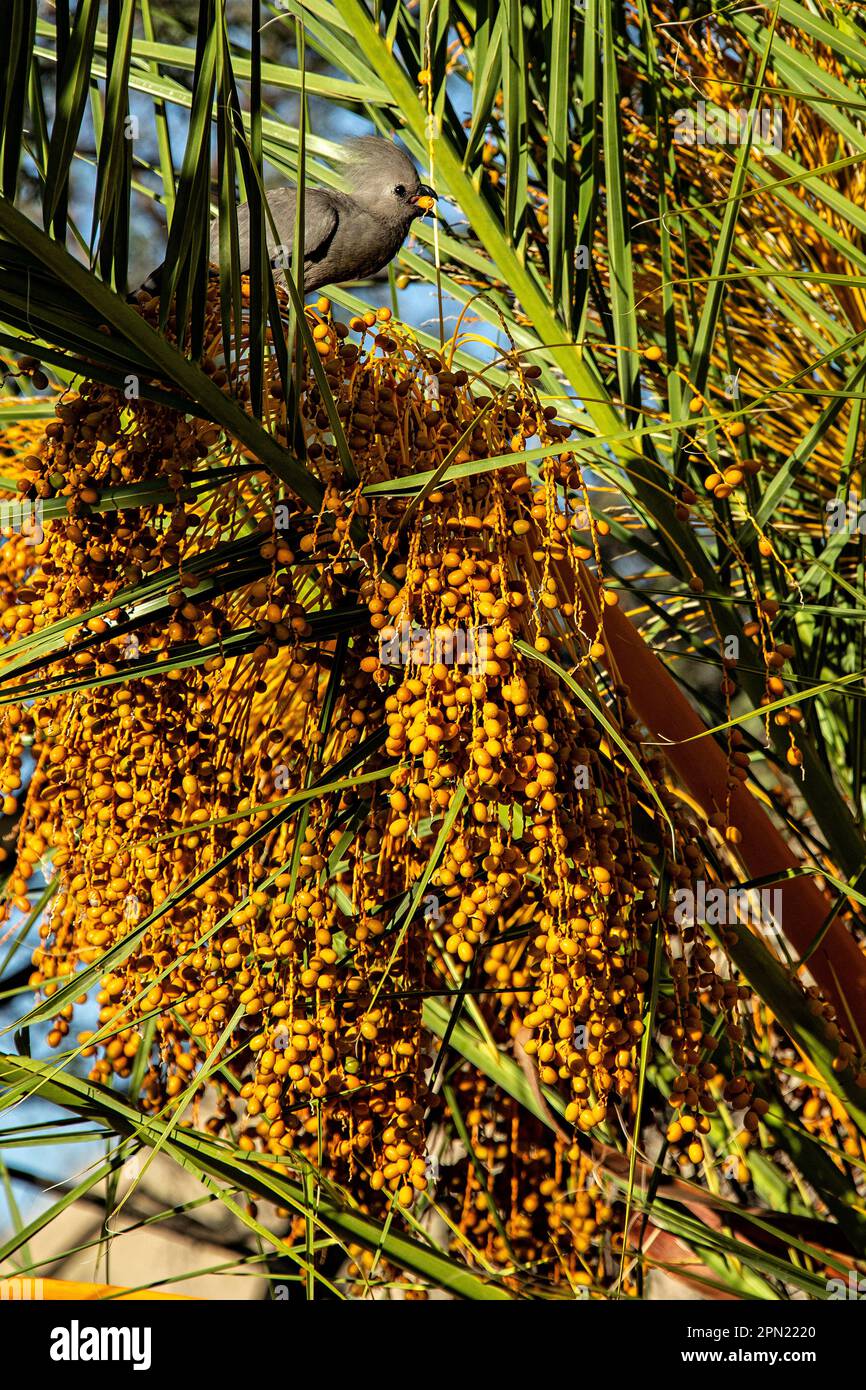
<point x="320" y="221"/>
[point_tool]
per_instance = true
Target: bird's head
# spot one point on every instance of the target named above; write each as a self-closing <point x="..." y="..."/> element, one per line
<point x="383" y="179"/>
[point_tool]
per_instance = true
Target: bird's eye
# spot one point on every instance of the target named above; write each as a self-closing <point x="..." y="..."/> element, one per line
<point x="400" y="190"/>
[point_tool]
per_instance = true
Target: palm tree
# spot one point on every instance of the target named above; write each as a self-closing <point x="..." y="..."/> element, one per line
<point x="534" y="974"/>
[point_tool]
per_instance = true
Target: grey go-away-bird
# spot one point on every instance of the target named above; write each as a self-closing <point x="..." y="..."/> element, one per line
<point x="347" y="235"/>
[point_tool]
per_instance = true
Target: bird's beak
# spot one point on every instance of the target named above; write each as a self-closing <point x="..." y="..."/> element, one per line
<point x="424" y="198"/>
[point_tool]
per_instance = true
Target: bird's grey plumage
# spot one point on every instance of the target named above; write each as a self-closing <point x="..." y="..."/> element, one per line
<point x="320" y="223"/>
<point x="347" y="235"/>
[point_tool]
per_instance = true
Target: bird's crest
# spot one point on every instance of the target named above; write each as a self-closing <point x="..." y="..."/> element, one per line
<point x="373" y="158"/>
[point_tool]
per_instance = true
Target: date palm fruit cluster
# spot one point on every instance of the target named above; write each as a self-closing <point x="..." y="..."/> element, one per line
<point x="529" y="1199"/>
<point x="427" y="653"/>
<point x="717" y="57"/>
